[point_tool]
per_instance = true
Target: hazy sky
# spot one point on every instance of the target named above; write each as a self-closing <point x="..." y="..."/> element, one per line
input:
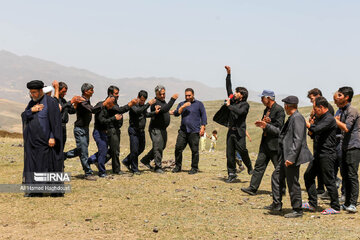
<point x="288" y="46"/>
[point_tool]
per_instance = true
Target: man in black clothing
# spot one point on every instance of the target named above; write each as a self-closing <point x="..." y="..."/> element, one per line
<point x="236" y="137"/>
<point x="323" y="131"/>
<point x="66" y="107"/>
<point x="273" y="115"/>
<point x="293" y="152"/>
<point x="312" y="95"/>
<point x="157" y="129"/>
<point x="102" y="122"/>
<point x="84" y="111"/>
<point x="137" y="122"/>
<point x="113" y="128"/>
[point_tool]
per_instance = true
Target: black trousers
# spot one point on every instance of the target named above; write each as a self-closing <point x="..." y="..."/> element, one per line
<point x="350" y="167"/>
<point x="159" y="139"/>
<point x="182" y="140"/>
<point x="236" y="143"/>
<point x="324" y="166"/>
<point x="137" y="146"/>
<point x="264" y="156"/>
<point x="114" y="148"/>
<point x="291" y="174"/>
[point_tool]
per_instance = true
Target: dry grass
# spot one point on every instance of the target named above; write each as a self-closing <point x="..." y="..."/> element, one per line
<point x="180" y="206"/>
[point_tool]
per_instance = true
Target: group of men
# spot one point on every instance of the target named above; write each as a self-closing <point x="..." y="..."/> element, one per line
<point x="336" y="138"/>
<point x="45" y="120"/>
<point x="336" y="144"/>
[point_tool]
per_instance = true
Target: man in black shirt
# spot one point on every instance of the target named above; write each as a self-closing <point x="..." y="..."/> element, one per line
<point x="66" y="107"/>
<point x="137" y="122"/>
<point x="236" y="137"/>
<point x="273" y="115"/>
<point x="84" y="111"/>
<point x="323" y="131"/>
<point x="157" y="129"/>
<point x="113" y="129"/>
<point x="312" y="95"/>
<point x="102" y="121"/>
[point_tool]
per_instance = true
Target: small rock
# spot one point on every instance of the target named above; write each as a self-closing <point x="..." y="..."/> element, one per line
<point x="146" y="221"/>
<point x="164" y="214"/>
<point x="155" y="230"/>
<point x="88" y="219"/>
<point x="173" y="182"/>
<point x="127" y="197"/>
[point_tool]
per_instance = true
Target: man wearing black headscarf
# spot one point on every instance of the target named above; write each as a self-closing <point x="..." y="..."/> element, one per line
<point x="42" y="132"/>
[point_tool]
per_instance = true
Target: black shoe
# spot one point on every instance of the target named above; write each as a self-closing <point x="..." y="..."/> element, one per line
<point x="273" y="207"/>
<point x="293" y="214"/>
<point x="147" y="165"/>
<point x="102" y="175"/>
<point x="231" y="178"/>
<point x="127" y="166"/>
<point x="159" y="170"/>
<point x="176" y="169"/>
<point x="249" y="191"/>
<point x="193" y="171"/>
<point x="119" y="173"/>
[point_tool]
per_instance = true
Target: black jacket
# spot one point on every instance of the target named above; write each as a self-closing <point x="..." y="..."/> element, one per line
<point x="277" y="116"/>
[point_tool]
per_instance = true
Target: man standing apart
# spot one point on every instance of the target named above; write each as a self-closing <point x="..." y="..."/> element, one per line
<point x="349" y="123"/>
<point x="193" y="122"/>
<point x="43" y="141"/>
<point x="273" y="115"/>
<point x="157" y="129"/>
<point x="293" y="152"/>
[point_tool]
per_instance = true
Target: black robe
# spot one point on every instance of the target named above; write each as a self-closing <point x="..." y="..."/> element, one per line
<point x="38" y="156"/>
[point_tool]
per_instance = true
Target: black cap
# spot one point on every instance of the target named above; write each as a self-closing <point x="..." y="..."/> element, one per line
<point x="291" y="100"/>
<point x="35" y="84"/>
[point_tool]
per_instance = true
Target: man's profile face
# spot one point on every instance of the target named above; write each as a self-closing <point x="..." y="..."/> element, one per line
<point x="160" y="95"/>
<point x="312" y="98"/>
<point x="238" y="96"/>
<point x="189" y="96"/>
<point x="62" y="92"/>
<point x="116" y="94"/>
<point x="142" y="100"/>
<point x="264" y="100"/>
<point x="318" y="111"/>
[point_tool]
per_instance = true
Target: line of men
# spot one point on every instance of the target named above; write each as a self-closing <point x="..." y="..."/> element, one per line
<point x="45" y="119"/>
<point x="336" y="144"/>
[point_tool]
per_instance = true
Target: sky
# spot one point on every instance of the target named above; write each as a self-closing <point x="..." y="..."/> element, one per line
<point x="287" y="46"/>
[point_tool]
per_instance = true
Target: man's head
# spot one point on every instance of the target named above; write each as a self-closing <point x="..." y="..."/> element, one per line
<point x="313" y="94"/>
<point x="189" y="95"/>
<point x="241" y="94"/>
<point x="345" y="95"/>
<point x="87" y="90"/>
<point x="290" y="104"/>
<point x="113" y="91"/>
<point x="160" y="92"/>
<point x="62" y="89"/>
<point x="35" y="89"/>
<point x="142" y="96"/>
<point x="321" y="106"/>
<point x="267" y="98"/>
